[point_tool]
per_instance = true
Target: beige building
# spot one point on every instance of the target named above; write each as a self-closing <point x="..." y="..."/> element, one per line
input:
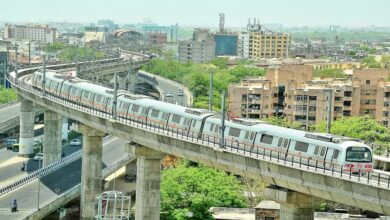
<point x="37" y="33"/>
<point x="200" y="49"/>
<point x="268" y="45"/>
<point x="291" y="91"/>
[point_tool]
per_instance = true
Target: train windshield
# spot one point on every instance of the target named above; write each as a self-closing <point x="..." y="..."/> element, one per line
<point x="358" y="154"/>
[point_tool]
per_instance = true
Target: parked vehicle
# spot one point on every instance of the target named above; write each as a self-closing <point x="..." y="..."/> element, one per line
<point x="38" y="156"/>
<point x="75" y="142"/>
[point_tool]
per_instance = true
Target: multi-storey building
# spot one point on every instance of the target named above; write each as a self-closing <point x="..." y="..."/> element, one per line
<point x="200" y="49"/>
<point x="264" y="43"/>
<point x="226" y="44"/>
<point x="157" y="38"/>
<point x="37" y="33"/>
<point x="291" y="91"/>
<point x="243" y="45"/>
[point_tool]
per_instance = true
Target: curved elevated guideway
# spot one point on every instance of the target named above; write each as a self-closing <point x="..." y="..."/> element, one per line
<point x="289" y="171"/>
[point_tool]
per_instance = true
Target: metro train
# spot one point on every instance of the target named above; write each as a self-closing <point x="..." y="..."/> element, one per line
<point x="243" y="134"/>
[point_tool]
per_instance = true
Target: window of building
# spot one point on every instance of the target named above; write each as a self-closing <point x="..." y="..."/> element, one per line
<point x="385" y="123"/>
<point x="386" y="104"/>
<point x="244" y="97"/>
<point x="368" y="82"/>
<point x="311" y="118"/>
<point x="312" y="98"/>
<point x="337" y="98"/>
<point x="312" y="108"/>
<point x="301" y="97"/>
<point x="347" y="103"/>
<point x="267" y="139"/>
<point x="387" y="94"/>
<point x="301" y="146"/>
<point x="347" y="113"/>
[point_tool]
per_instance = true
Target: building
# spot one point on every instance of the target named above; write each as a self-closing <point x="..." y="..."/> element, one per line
<point x="37" y="33"/>
<point x="290" y="90"/>
<point x="157" y="38"/>
<point x="200" y="49"/>
<point x="3" y="67"/>
<point x="76" y="39"/>
<point x="265" y="96"/>
<point x="243" y="45"/>
<point x="95" y="33"/>
<point x="264" y="43"/>
<point x="226" y="44"/>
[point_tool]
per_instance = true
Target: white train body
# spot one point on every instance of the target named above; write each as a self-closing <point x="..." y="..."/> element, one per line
<point x="242" y="134"/>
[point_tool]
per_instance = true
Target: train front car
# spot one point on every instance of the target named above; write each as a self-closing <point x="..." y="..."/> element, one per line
<point x="357" y="157"/>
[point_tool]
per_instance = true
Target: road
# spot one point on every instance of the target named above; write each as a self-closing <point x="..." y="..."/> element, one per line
<point x="57" y="182"/>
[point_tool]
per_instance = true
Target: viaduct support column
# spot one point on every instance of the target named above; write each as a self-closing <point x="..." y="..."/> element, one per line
<point x="26" y="140"/>
<point x="52" y="145"/>
<point x="91" y="171"/>
<point x="148" y="183"/>
<point x="293" y="205"/>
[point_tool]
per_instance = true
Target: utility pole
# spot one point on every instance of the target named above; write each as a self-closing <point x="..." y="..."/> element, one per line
<point x="211" y="90"/>
<point x="44" y="74"/>
<point x="222" y="144"/>
<point x="329" y="117"/>
<point x="115" y="97"/>
<point x="29" y="54"/>
<point x="16" y="59"/>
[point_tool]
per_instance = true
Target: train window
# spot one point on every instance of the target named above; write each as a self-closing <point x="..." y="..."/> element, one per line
<point x="98" y="98"/>
<point x="65" y="88"/>
<point x="155" y="113"/>
<point x="216" y="128"/>
<point x="286" y="143"/>
<point x="165" y="116"/>
<point x="323" y="151"/>
<point x="280" y="142"/>
<point x="249" y="135"/>
<point x="336" y="154"/>
<point x="301" y="146"/>
<point x="267" y="139"/>
<point x="316" y="150"/>
<point x="74" y="90"/>
<point x="211" y="127"/>
<point x="187" y="121"/>
<point x="176" y="118"/>
<point x="135" y="108"/>
<point x="235" y="132"/>
<point x="193" y="124"/>
<point x="144" y="111"/>
<point x="85" y="94"/>
<point x="125" y="105"/>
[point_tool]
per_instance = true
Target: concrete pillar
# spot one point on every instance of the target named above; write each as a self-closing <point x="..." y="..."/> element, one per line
<point x="91" y="171"/>
<point x="293" y="205"/>
<point x="148" y="183"/>
<point x="26" y="140"/>
<point x="52" y="145"/>
<point x="65" y="128"/>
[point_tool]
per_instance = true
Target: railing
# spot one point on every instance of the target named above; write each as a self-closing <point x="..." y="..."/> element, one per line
<point x="272" y="155"/>
<point x="41" y="172"/>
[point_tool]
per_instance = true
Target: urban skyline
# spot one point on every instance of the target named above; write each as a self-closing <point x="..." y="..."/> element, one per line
<point x="302" y="13"/>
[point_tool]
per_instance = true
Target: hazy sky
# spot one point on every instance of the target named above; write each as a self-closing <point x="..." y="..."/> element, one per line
<point x="202" y="12"/>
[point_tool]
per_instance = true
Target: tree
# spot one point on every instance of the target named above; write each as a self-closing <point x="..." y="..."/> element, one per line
<point x="281" y="121"/>
<point x="189" y="192"/>
<point x="370" y="62"/>
<point x="7" y="95"/>
<point x="362" y="127"/>
<point x="329" y="73"/>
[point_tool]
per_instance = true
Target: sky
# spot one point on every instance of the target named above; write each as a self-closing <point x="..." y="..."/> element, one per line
<point x="353" y="13"/>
